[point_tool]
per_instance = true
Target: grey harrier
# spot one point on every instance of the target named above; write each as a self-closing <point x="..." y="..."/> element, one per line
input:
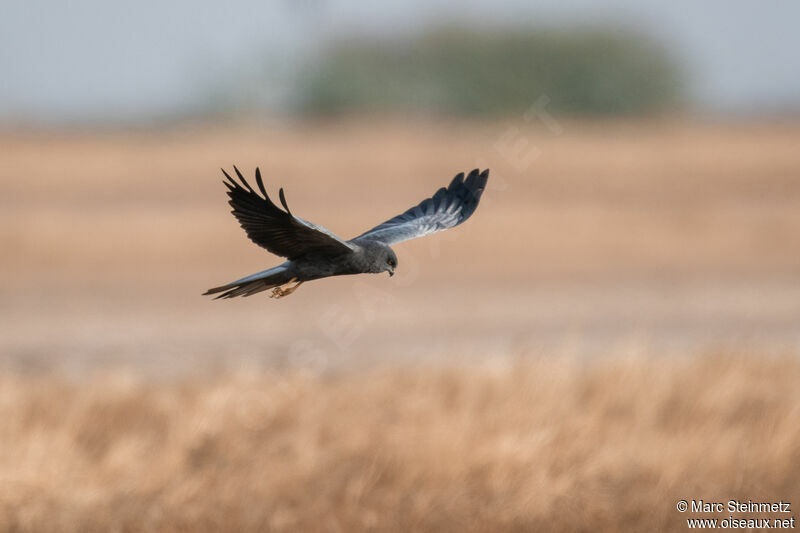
<point x="314" y="252"/>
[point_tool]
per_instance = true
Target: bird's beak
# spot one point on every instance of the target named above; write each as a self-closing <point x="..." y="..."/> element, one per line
<point x="391" y="273"/>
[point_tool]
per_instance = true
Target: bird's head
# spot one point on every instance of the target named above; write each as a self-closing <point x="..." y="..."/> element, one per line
<point x="390" y="261"/>
<point x="380" y="258"/>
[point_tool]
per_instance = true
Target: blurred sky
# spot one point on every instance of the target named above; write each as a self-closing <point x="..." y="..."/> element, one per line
<point x="90" y="60"/>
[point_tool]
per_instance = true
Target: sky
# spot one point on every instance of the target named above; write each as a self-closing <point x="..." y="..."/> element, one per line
<point x="89" y="60"/>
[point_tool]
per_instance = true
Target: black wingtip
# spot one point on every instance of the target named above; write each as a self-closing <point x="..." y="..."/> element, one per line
<point x="484" y="176"/>
<point x="457" y="180"/>
<point x="227" y="176"/>
<point x="472" y="177"/>
<point x="241" y="178"/>
<point x="283" y="201"/>
<point x="260" y="182"/>
<point x="476" y="183"/>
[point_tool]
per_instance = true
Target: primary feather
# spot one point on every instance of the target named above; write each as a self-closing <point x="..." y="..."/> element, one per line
<point x="278" y="231"/>
<point x="449" y="207"/>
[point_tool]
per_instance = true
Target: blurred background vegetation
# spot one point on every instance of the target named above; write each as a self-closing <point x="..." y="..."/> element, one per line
<point x="155" y="63"/>
<point x="463" y="71"/>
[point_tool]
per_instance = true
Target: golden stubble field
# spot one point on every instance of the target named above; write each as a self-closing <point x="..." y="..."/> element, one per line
<point x="614" y="330"/>
<point x="540" y="445"/>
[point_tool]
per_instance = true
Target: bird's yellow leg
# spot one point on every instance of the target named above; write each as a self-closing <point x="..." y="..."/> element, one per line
<point x="285" y="289"/>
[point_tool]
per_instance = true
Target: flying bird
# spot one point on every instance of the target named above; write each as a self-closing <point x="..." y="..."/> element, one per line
<point x="313" y="252"/>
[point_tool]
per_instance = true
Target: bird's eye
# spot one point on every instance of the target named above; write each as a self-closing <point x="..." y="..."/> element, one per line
<point x="390" y="262"/>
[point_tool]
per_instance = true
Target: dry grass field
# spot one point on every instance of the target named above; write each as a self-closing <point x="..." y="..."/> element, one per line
<point x="617" y="328"/>
<point x="537" y="445"/>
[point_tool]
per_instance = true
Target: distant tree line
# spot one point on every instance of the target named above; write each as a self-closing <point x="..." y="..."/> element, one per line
<point x="494" y="72"/>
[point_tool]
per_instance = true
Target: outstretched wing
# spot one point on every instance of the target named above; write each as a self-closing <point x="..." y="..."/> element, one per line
<point x="449" y="207"/>
<point x="278" y="231"/>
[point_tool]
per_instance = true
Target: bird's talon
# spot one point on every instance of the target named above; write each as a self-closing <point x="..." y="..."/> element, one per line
<point x="286" y="289"/>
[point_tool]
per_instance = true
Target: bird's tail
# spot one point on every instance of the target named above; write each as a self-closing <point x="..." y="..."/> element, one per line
<point x="254" y="283"/>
